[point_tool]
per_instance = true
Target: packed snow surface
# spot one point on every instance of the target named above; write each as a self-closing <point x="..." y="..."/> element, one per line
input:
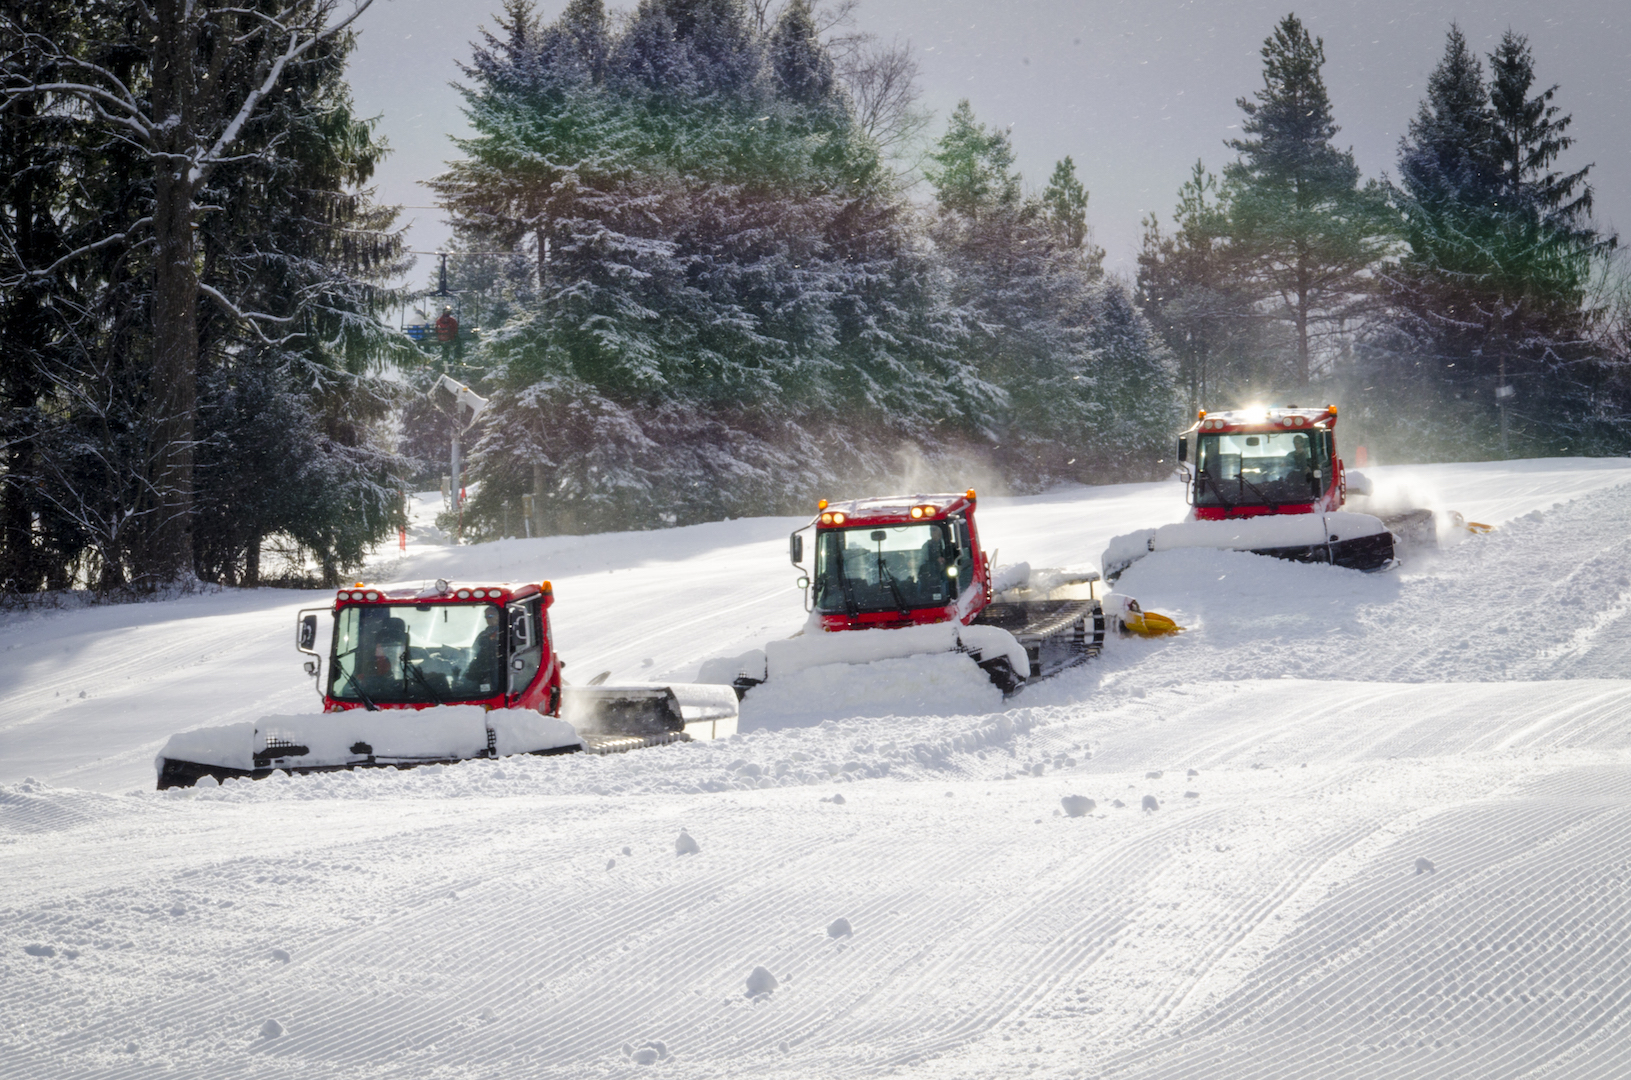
<point x="1344" y="825"/>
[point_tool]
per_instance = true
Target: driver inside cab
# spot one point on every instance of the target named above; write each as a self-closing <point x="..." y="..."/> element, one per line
<point x="482" y="674"/>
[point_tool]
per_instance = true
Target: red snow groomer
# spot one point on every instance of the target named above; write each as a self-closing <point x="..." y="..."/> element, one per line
<point x="436" y="673"/>
<point x="905" y="575"/>
<point x="1267" y="481"/>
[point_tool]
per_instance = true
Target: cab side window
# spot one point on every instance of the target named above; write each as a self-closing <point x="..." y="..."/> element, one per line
<point x="965" y="557"/>
<point x="526" y="643"/>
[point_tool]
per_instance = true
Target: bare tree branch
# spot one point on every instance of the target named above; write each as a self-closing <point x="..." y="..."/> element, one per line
<point x="882" y="79"/>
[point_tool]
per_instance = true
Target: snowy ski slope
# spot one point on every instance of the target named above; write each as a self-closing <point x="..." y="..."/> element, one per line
<point x="1391" y="832"/>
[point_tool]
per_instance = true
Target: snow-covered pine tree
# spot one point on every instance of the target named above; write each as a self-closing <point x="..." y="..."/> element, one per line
<point x="299" y="240"/>
<point x="179" y="82"/>
<point x="1491" y="291"/>
<point x="1305" y="230"/>
<point x="734" y="312"/>
<point x="39" y="165"/>
<point x="283" y="266"/>
<point x="1133" y="378"/>
<point x="1018" y="268"/>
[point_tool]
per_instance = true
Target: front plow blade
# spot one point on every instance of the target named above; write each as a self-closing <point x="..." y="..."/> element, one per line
<point x="1340" y="538"/>
<point x="355" y="739"/>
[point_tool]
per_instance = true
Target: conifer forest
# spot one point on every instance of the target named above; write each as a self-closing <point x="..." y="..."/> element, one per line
<point x="713" y="259"/>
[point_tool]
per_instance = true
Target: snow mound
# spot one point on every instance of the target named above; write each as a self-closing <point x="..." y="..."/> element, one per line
<point x="761" y="981"/>
<point x="1077" y="805"/>
<point x="649" y="1054"/>
<point x="684" y="845"/>
<point x="840" y="928"/>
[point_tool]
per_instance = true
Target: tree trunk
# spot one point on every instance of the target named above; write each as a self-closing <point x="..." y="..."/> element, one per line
<point x="538" y="480"/>
<point x="168" y="554"/>
<point x="21" y="338"/>
<point x="252" y="562"/>
<point x="1302" y="339"/>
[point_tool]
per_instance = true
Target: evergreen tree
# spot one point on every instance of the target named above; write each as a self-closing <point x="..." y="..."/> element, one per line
<point x="1486" y="330"/>
<point x="972" y="171"/>
<point x="1133" y="386"/>
<point x="298" y="240"/>
<point x="130" y="482"/>
<point x="1549" y="211"/>
<point x="732" y="308"/>
<point x="1016" y="265"/>
<point x="1065" y="202"/>
<point x="1191" y="288"/>
<point x="802" y="69"/>
<point x="38" y="163"/>
<point x="1305" y="230"/>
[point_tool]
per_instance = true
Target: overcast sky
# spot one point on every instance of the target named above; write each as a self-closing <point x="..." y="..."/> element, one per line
<point x="1134" y="90"/>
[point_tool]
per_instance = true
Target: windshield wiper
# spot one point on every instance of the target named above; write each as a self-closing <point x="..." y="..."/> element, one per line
<point x="1206" y="481"/>
<point x="368" y="702"/>
<point x="900" y="601"/>
<point x="1260" y="494"/>
<point x="851" y="606"/>
<point x="420" y="675"/>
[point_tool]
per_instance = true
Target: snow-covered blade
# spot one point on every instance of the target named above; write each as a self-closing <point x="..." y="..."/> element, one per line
<point x="985" y="645"/>
<point x="1356" y="541"/>
<point x="602" y="719"/>
<point x="324" y="742"/>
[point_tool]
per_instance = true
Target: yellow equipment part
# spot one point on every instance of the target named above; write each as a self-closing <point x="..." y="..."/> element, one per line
<point x="1149" y="623"/>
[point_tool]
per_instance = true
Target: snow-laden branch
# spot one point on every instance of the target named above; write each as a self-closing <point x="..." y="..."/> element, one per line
<point x="106" y="241"/>
<point x="252" y="319"/>
<point x="295" y="49"/>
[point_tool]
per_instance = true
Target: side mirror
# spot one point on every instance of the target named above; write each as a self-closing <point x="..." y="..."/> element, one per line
<point x="795" y="547"/>
<point x="305" y="638"/>
<point x="521" y="635"/>
<point x="1183" y="448"/>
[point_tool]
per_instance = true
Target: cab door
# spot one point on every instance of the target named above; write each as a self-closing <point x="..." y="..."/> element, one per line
<point x="525" y="642"/>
